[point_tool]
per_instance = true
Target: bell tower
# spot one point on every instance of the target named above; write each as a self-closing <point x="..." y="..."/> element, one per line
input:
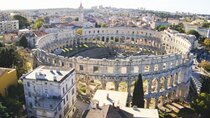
<point x="81" y="15"/>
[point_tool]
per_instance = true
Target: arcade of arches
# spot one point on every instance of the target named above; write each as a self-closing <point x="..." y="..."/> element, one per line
<point x="157" y="91"/>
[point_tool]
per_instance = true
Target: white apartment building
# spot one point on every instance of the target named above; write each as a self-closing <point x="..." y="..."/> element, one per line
<point x="9" y="26"/>
<point x="50" y="92"/>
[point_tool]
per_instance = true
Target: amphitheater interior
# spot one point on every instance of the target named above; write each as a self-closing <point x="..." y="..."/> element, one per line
<point x="112" y="59"/>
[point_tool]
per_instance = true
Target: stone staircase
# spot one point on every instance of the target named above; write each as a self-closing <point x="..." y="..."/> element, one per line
<point x="172" y="108"/>
<point x="197" y="83"/>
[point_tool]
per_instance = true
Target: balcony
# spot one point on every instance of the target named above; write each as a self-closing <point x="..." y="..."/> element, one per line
<point x="48" y="103"/>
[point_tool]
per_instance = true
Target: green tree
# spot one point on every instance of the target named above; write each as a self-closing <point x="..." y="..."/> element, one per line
<point x="16" y="92"/>
<point x="193" y="32"/>
<point x="38" y="23"/>
<point x="205" y="85"/>
<point x="207" y="43"/>
<point x="23" y="22"/>
<point x="3" y="111"/>
<point x="12" y="104"/>
<point x="76" y="19"/>
<point x="205" y="25"/>
<point x="187" y="113"/>
<point x="103" y="25"/>
<point x="202" y="105"/>
<point x="138" y="93"/>
<point x="10" y="58"/>
<point x="79" y="31"/>
<point x="23" y="42"/>
<point x="179" y="27"/>
<point x="1" y="45"/>
<point x="161" y="28"/>
<point x="205" y="64"/>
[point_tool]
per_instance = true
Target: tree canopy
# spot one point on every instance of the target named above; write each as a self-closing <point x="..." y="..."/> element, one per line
<point x="205" y="65"/>
<point x="11" y="105"/>
<point x="79" y="31"/>
<point x="23" y="22"/>
<point x="161" y="28"/>
<point x="23" y="42"/>
<point x="138" y="93"/>
<point x="202" y="105"/>
<point x="38" y="23"/>
<point x="193" y="32"/>
<point x="187" y="113"/>
<point x="205" y="85"/>
<point x="207" y="43"/>
<point x="3" y="111"/>
<point x="205" y="25"/>
<point x="9" y="58"/>
<point x="179" y="27"/>
<point x="103" y="25"/>
<point x="1" y="44"/>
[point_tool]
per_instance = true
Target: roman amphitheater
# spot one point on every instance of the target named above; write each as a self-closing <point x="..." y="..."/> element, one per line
<point x="113" y="58"/>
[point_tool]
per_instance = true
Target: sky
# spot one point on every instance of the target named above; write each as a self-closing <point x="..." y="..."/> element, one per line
<point x="193" y="6"/>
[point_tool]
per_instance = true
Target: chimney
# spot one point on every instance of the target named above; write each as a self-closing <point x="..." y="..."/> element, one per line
<point x="97" y="105"/>
<point x="113" y="104"/>
<point x="54" y="78"/>
<point x="107" y="96"/>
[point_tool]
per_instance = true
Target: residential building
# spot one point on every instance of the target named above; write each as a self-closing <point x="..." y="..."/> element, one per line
<point x="106" y="97"/>
<point x="9" y="26"/>
<point x="202" y="31"/>
<point x="8" y="77"/>
<point x="4" y="17"/>
<point x="107" y="111"/>
<point x="113" y="104"/>
<point x="10" y="38"/>
<point x="50" y="92"/>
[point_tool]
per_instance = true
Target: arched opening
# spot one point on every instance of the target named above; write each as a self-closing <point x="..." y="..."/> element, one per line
<point x="102" y="39"/>
<point x="146" y="68"/>
<point x="152" y="103"/>
<point x="132" y="86"/>
<point x="154" y="85"/>
<point x="161" y="100"/>
<point x="122" y="39"/>
<point x="170" y="81"/>
<point x="116" y="40"/>
<point x="96" y="84"/>
<point x="145" y="103"/>
<point x="156" y="67"/>
<point x="173" y="95"/>
<point x="169" y="95"/>
<point x="81" y="85"/>
<point x="110" y="86"/>
<point x="145" y="86"/>
<point x="123" y="87"/>
<point x="162" y="83"/>
<point x="107" y="39"/>
<point x="175" y="82"/>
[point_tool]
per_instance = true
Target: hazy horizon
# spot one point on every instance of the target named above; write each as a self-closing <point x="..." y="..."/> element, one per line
<point x="192" y="6"/>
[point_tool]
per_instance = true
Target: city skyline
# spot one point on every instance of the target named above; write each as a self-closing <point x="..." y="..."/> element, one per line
<point x="192" y="6"/>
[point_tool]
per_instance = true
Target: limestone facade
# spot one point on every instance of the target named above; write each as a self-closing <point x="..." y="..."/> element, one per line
<point x="166" y="77"/>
